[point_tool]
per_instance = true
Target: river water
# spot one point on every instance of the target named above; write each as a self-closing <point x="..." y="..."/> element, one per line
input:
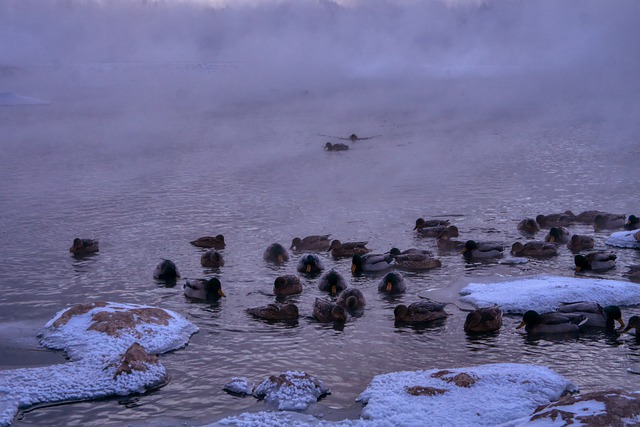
<point x="147" y="158"/>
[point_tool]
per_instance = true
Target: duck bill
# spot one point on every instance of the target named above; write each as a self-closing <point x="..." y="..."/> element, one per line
<point x="308" y="268"/>
<point x="621" y="322"/>
<point x="552" y="239"/>
<point x="578" y="268"/>
<point x="463" y="250"/>
<point x="353" y="268"/>
<point x="389" y="286"/>
<point x="334" y="290"/>
<point x="220" y="293"/>
<point x="280" y="259"/>
<point x="520" y="325"/>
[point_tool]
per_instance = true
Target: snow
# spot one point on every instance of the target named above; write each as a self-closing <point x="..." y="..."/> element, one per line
<point x="94" y="359"/>
<point x="586" y="408"/>
<point x="623" y="239"/>
<point x="545" y="293"/>
<point x="239" y="385"/>
<point x="291" y="390"/>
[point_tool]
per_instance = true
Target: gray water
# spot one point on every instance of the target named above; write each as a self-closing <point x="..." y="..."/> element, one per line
<point x="148" y="155"/>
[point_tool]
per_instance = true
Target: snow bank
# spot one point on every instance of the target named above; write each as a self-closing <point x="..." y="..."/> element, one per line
<point x="624" y="239"/>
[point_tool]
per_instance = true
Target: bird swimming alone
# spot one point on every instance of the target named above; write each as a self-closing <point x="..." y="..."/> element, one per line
<point x="84" y="246"/>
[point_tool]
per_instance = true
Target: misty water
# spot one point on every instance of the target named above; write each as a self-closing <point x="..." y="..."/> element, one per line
<point x="480" y="116"/>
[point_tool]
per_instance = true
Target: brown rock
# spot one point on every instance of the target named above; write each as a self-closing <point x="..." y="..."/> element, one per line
<point x="77" y="310"/>
<point x="113" y="322"/>
<point x="135" y="358"/>
<point x="418" y="390"/>
<point x="461" y="380"/>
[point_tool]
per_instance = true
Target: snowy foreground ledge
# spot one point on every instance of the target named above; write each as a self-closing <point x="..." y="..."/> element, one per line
<point x="111" y="348"/>
<point x="545" y="293"/>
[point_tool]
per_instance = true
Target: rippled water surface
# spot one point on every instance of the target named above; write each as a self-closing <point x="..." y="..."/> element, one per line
<point x="145" y="171"/>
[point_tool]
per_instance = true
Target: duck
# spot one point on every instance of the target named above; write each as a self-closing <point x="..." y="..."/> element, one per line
<point x="534" y="249"/>
<point x="288" y="284"/>
<point x="336" y="147"/>
<point x="166" y="270"/>
<point x="212" y="259"/>
<point x="633" y="323"/>
<point x="556" y="219"/>
<point x="332" y="282"/>
<point x="203" y="289"/>
<point x="633" y="272"/>
<point x="311" y="243"/>
<point x="551" y="323"/>
<point x="327" y="311"/>
<point x="446" y="243"/>
<point x="437" y="231"/>
<point x="84" y="246"/>
<point x="599" y="260"/>
<point x="352" y="299"/>
<point x="310" y="264"/>
<point x="392" y="283"/>
<point x="274" y="312"/>
<point x="485" y="319"/>
<point x="559" y="235"/>
<point x="598" y="316"/>
<point x="473" y="249"/>
<point x="371" y="263"/>
<point x="528" y="226"/>
<point x="209" y="242"/>
<point x="587" y="217"/>
<point x="420" y="312"/>
<point x="609" y="221"/>
<point x="422" y="223"/>
<point x="415" y="260"/>
<point x="633" y="223"/>
<point x="348" y="249"/>
<point x="276" y="253"/>
<point x="579" y="242"/>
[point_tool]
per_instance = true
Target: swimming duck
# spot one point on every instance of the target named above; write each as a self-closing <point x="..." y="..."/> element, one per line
<point x="534" y="249"/>
<point x="212" y="259"/>
<point x="438" y="230"/>
<point x="327" y="311"/>
<point x="396" y="251"/>
<point x="558" y="235"/>
<point x="598" y="316"/>
<point x="215" y="242"/>
<point x="556" y="219"/>
<point x="420" y="312"/>
<point x="203" y="289"/>
<point x="422" y="223"/>
<point x="275" y="252"/>
<point x="275" y="312"/>
<point x="371" y="262"/>
<point x="336" y="147"/>
<point x="416" y="261"/>
<point x="609" y="221"/>
<point x="166" y="270"/>
<point x="579" y="243"/>
<point x="551" y="323"/>
<point x="587" y="217"/>
<point x="633" y="223"/>
<point x="348" y="249"/>
<point x="446" y="243"/>
<point x="84" y="246"/>
<point x="310" y="264"/>
<point x="288" y="284"/>
<point x="633" y="323"/>
<point x="600" y="260"/>
<point x="486" y="319"/>
<point x="392" y="283"/>
<point x="528" y="226"/>
<point x="351" y="299"/>
<point x="332" y="282"/>
<point x="472" y="249"/>
<point x="311" y="243"/>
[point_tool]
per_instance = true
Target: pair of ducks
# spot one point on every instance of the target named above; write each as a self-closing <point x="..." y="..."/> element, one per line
<point x="572" y="317"/>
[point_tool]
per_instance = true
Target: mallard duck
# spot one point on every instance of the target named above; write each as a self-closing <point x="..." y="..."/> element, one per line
<point x="212" y="259"/>
<point x="396" y="251"/>
<point x="486" y="319"/>
<point x="348" y="249"/>
<point x="558" y="235"/>
<point x="438" y="230"/>
<point x="392" y="283"/>
<point x="534" y="249"/>
<point x="600" y="260"/>
<point x="598" y="316"/>
<point x="311" y="243"/>
<point x="84" y="246"/>
<point x="204" y="289"/>
<point x="422" y="223"/>
<point x="633" y="323"/>
<point x="633" y="223"/>
<point x="327" y="311"/>
<point x="336" y="147"/>
<point x="556" y="220"/>
<point x="274" y="312"/>
<point x="446" y="243"/>
<point x="332" y="282"/>
<point x="587" y="217"/>
<point x="351" y="299"/>
<point x="528" y="226"/>
<point x="288" y="284"/>
<point x="371" y="262"/>
<point x="609" y="221"/>
<point x="633" y="272"/>
<point x="579" y="243"/>
<point x="551" y="323"/>
<point x="420" y="312"/>
<point x="473" y="249"/>
<point x="416" y="261"/>
<point x="166" y="270"/>
<point x="310" y="264"/>
<point x="214" y="242"/>
<point x="275" y="252"/>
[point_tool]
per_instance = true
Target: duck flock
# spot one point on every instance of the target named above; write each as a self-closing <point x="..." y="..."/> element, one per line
<point x="344" y="300"/>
